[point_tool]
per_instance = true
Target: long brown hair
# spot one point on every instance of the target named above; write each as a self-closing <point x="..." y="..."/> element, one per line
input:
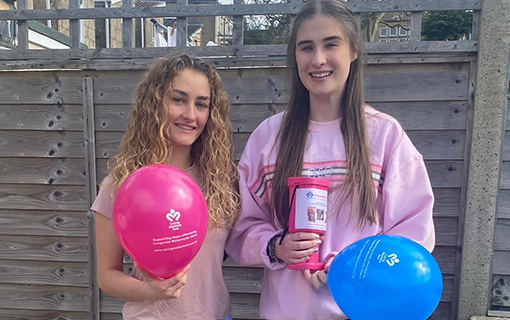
<point x="358" y="184"/>
<point x="147" y="139"/>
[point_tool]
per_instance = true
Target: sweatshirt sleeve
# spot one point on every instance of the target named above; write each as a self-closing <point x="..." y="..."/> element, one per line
<point x="254" y="229"/>
<point x="406" y="201"/>
<point x="248" y="240"/>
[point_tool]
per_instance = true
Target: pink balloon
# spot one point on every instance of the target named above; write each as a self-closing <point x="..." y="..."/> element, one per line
<point x="160" y="218"/>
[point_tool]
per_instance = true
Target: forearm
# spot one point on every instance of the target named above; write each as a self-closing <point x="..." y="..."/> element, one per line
<point x="123" y="286"/>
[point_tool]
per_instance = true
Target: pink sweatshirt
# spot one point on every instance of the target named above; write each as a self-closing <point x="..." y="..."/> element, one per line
<point x="404" y="207"/>
<point x="204" y="297"/>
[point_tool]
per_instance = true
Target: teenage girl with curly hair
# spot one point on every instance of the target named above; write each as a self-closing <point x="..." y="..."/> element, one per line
<point x="180" y="117"/>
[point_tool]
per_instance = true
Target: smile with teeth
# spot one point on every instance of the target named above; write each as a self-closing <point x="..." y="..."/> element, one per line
<point x="321" y="74"/>
<point x="185" y="127"/>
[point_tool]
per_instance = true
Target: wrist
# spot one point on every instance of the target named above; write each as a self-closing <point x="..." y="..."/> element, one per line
<point x="271" y="250"/>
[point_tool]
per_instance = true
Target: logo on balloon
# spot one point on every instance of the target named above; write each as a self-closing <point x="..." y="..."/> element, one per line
<point x="173" y="217"/>
<point x="390" y="259"/>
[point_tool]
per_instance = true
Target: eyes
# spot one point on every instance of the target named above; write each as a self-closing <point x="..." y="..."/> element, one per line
<point x="200" y="104"/>
<point x="310" y="47"/>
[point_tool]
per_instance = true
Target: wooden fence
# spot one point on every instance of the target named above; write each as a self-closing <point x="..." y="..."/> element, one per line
<point x="62" y="114"/>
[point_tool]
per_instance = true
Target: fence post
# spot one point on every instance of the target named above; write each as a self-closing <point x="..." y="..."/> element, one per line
<point x="485" y="158"/>
<point x="91" y="174"/>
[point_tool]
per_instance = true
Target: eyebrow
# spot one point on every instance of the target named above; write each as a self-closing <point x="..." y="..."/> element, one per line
<point x="323" y="40"/>
<point x="183" y="93"/>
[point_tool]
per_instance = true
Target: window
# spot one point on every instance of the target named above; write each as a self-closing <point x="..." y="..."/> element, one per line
<point x="383" y="40"/>
<point x="402" y="32"/>
<point x="383" y="32"/>
<point x="393" y="32"/>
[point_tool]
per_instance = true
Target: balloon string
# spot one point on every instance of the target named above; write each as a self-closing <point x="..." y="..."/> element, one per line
<point x="286" y="229"/>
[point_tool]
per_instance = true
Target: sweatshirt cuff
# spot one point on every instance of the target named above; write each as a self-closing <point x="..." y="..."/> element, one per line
<point x="265" y="258"/>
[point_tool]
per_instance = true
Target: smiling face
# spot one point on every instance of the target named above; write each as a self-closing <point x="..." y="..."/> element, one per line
<point x="189" y="108"/>
<point x="323" y="57"/>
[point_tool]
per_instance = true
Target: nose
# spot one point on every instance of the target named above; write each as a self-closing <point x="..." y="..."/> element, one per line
<point x="319" y="58"/>
<point x="189" y="111"/>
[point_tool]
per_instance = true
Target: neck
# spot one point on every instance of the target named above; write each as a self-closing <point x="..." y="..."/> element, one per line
<point x="181" y="158"/>
<point x="324" y="109"/>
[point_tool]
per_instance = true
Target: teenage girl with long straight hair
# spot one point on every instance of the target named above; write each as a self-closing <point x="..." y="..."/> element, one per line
<point x="378" y="180"/>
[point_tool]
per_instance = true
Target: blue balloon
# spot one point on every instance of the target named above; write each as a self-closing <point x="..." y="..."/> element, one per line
<point x="385" y="277"/>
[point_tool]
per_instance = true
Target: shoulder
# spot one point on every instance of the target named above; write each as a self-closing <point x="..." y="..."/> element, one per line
<point x="387" y="137"/>
<point x="266" y="132"/>
<point x="380" y="120"/>
<point x="269" y="125"/>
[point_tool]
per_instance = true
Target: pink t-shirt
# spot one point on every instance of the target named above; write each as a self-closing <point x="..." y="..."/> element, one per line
<point x="204" y="296"/>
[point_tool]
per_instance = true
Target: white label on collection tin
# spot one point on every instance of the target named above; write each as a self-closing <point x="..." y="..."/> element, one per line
<point x="311" y="206"/>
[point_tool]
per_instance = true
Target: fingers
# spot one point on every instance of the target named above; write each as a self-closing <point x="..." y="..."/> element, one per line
<point x="328" y="264"/>
<point x="167" y="288"/>
<point x="322" y="276"/>
<point x="317" y="279"/>
<point x="298" y="247"/>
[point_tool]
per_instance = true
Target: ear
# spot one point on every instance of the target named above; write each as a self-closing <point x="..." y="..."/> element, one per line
<point x="354" y="56"/>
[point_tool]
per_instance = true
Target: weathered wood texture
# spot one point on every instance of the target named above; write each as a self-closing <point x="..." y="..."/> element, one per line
<point x="44" y="245"/>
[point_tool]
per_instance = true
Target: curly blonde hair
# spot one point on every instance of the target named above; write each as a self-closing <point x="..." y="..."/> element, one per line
<point x="147" y="138"/>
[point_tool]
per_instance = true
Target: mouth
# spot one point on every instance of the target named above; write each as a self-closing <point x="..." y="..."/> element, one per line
<point x="184" y="126"/>
<point x="322" y="74"/>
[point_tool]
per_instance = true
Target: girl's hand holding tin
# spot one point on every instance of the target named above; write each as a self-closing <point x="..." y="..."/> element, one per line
<point x="297" y="247"/>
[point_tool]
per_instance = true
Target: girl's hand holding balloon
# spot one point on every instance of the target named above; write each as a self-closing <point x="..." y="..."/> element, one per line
<point x="318" y="278"/>
<point x="297" y="247"/>
<point x="163" y="289"/>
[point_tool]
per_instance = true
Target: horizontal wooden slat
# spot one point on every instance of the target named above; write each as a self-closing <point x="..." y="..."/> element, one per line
<point x="228" y="62"/>
<point x="23" y="314"/>
<point x="243" y="279"/>
<point x="44" y="248"/>
<point x="500" y="263"/>
<point x="506" y="147"/>
<point x="504" y="182"/>
<point x="276" y="52"/>
<point x="44" y="273"/>
<point x="56" y="88"/>
<point x="268" y="85"/>
<point x="31" y="297"/>
<point x="40" y="197"/>
<point x="504" y="204"/>
<point x="434" y="145"/>
<point x="47" y="144"/>
<point x="446" y="231"/>
<point x="445" y="174"/>
<point x="41" y="117"/>
<point x="42" y="171"/>
<point x="229" y="10"/>
<point x="44" y="223"/>
<point x="245" y="305"/>
<point x="502" y="235"/>
<point x="442" y="312"/>
<point x="437" y="115"/>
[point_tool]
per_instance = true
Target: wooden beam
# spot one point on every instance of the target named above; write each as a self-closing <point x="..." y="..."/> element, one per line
<point x="238" y="32"/>
<point x="232" y="10"/>
<point x="22" y="27"/>
<point x="91" y="174"/>
<point x="74" y="25"/>
<point x="127" y="26"/>
<point x="182" y="25"/>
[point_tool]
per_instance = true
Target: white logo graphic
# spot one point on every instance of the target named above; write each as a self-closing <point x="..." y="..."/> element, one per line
<point x="392" y="259"/>
<point x="320" y="172"/>
<point x="173" y="215"/>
